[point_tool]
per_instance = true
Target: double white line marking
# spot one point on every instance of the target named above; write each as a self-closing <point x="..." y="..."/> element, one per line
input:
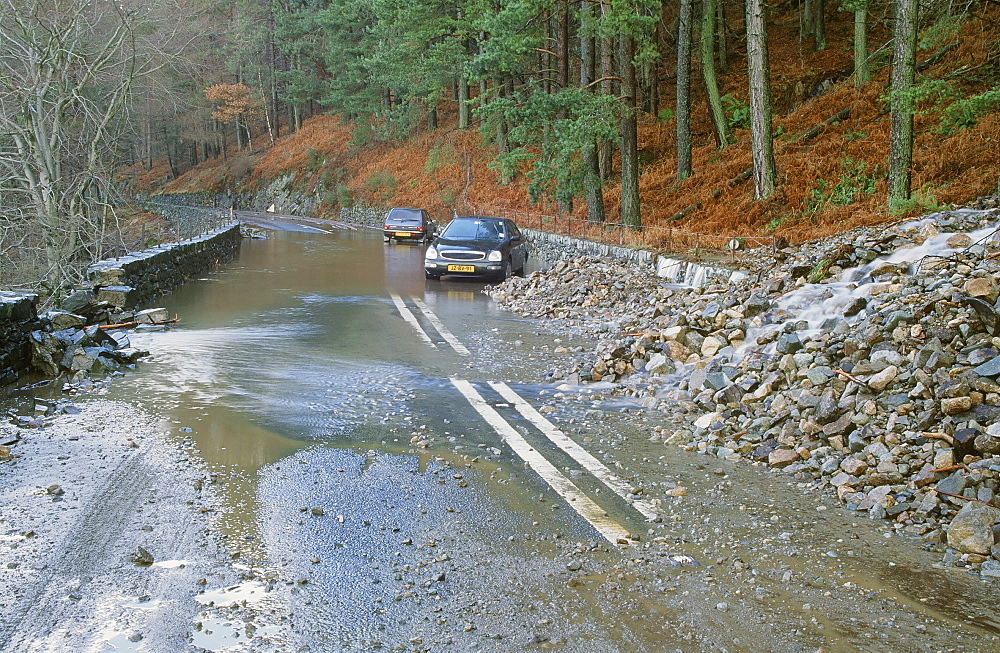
<point x="576" y="498"/>
<point x="433" y="319"/>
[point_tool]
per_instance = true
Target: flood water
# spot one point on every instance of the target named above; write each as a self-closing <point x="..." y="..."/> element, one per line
<point x="293" y="375"/>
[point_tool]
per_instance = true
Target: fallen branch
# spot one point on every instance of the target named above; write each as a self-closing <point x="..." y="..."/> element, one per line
<point x="940" y="436"/>
<point x="950" y="468"/>
<point x="851" y="377"/>
<point x="131" y="325"/>
<point x="959" y="496"/>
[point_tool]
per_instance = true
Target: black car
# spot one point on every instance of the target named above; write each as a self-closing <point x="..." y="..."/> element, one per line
<point x="407" y="224"/>
<point x="477" y="246"/>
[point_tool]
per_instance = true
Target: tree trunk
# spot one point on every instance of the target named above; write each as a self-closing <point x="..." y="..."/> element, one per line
<point x="592" y="186"/>
<point x="761" y="131"/>
<point x="651" y="90"/>
<point x="463" y="102"/>
<point x="267" y="112"/>
<point x="720" y="126"/>
<point x="862" y="73"/>
<point x="901" y="102"/>
<point x="503" y="142"/>
<point x="819" y="25"/>
<point x="565" y="198"/>
<point x="562" y="44"/>
<point x="723" y="48"/>
<point x="684" y="91"/>
<point x="806" y="26"/>
<point x="607" y="88"/>
<point x="631" y="214"/>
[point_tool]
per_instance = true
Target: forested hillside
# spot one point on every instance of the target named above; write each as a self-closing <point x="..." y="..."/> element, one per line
<point x="718" y="116"/>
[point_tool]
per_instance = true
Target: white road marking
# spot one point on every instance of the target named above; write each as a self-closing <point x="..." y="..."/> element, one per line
<point x="580" y="502"/>
<point x="408" y="316"/>
<point x="578" y="453"/>
<point x="445" y="333"/>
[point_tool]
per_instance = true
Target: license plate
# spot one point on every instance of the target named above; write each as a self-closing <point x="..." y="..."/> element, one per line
<point x="403" y="234"/>
<point x="461" y="268"/>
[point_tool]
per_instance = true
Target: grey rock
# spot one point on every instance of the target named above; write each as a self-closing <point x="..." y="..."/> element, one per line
<point x="953" y="484"/>
<point x="857" y="305"/>
<point x="971" y="531"/>
<point x="987" y="444"/>
<point x="756" y="305"/>
<point x="990" y="569"/>
<point x="840" y="427"/>
<point x="142" y="557"/>
<point x="788" y="343"/>
<point x="989" y="368"/>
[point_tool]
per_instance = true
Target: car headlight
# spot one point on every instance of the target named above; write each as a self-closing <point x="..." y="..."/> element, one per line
<point x="495" y="255"/>
<point x="431" y="253"/>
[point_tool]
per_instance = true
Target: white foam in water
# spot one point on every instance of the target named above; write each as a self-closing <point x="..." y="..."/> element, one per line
<point x="815" y="303"/>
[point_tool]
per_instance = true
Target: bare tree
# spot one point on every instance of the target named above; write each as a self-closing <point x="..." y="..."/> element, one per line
<point x="66" y="79"/>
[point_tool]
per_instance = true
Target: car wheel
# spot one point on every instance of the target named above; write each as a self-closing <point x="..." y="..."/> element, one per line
<point x="387" y="239"/>
<point x="507" y="272"/>
<point x="431" y="276"/>
<point x="520" y="271"/>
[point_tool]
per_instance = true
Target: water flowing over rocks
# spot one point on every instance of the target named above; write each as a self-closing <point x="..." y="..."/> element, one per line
<point x="866" y="363"/>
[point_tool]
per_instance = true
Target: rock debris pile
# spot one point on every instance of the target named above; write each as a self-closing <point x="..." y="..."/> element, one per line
<point x="867" y="363"/>
<point x="72" y="341"/>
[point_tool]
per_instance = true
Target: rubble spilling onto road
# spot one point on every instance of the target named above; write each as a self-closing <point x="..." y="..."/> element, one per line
<point x="867" y="363"/>
<point x="88" y="336"/>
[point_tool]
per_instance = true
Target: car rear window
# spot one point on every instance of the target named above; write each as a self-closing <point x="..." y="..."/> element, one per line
<point x="403" y="215"/>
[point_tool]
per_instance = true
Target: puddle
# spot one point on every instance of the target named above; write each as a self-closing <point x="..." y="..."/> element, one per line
<point x="248" y="593"/>
<point x="220" y="634"/>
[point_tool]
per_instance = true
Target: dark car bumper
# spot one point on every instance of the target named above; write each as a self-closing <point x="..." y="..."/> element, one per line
<point x="493" y="269"/>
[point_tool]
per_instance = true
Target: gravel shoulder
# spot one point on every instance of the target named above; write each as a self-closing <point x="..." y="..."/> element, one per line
<point x="79" y="498"/>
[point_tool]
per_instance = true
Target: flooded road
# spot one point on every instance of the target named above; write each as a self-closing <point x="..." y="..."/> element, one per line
<point x="381" y="470"/>
<point x="314" y="377"/>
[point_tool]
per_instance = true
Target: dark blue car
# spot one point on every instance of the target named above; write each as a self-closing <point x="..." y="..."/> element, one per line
<point x="477" y="246"/>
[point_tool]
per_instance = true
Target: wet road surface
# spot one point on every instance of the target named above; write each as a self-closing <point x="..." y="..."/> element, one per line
<point x="386" y="473"/>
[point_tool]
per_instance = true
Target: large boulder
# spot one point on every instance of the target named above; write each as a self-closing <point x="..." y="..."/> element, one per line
<point x="972" y="529"/>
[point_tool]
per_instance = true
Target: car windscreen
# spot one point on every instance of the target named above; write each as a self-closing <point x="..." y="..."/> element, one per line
<point x="473" y="230"/>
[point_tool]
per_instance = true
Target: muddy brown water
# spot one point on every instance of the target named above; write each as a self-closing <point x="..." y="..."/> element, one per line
<point x="371" y="507"/>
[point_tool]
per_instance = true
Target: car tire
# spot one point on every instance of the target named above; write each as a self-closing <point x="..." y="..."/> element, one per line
<point x="431" y="276"/>
<point x="520" y="271"/>
<point x="387" y="239"/>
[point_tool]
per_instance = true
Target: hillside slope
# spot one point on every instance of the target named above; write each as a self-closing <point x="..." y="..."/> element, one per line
<point x="831" y="179"/>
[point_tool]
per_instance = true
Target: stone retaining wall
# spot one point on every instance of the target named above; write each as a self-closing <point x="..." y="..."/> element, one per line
<point x="366" y="216"/>
<point x="128" y="281"/>
<point x="114" y="286"/>
<point x="18" y="318"/>
<point x="548" y="248"/>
